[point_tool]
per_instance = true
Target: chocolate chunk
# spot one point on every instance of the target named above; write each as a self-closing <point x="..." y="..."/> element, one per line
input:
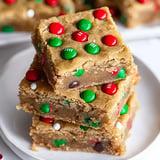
<point x="74" y="84"/>
<point x="99" y="146"/>
<point x="92" y="109"/>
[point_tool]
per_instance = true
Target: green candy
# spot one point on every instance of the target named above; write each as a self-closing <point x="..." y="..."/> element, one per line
<point x="68" y="53"/>
<point x="84" y="25"/>
<point x="91" y="6"/>
<point x="7" y="29"/>
<point x="60" y="142"/>
<point x="121" y="73"/>
<point x="66" y="102"/>
<point x="88" y="96"/>
<point x="54" y="42"/>
<point x="124" y="110"/>
<point x="95" y="124"/>
<point x="123" y="19"/>
<point x="45" y="108"/>
<point x="79" y="73"/>
<point x="125" y="132"/>
<point x="38" y="47"/>
<point x="67" y="8"/>
<point x="36" y="0"/>
<point x="92" y="48"/>
<point x="90" y="123"/>
<point x="84" y="128"/>
<point x="86" y="1"/>
<point x="124" y="94"/>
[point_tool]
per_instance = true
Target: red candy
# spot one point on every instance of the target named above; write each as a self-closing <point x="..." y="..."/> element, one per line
<point x="52" y="2"/>
<point x="129" y="124"/>
<point x="1" y="156"/>
<point x="156" y="6"/>
<point x="62" y="13"/>
<point x="33" y="75"/>
<point x="118" y="109"/>
<point x="56" y="28"/>
<point x="80" y="36"/>
<point x="9" y="1"/>
<point x="112" y="11"/>
<point x="58" y="76"/>
<point x="93" y="141"/>
<point x="100" y="14"/>
<point x="143" y="1"/>
<point x="110" y="88"/>
<point x="115" y="72"/>
<point x="50" y="109"/>
<point x="109" y="40"/>
<point x="47" y="120"/>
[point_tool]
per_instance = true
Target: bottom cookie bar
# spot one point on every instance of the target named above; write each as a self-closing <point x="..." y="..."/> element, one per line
<point x="59" y="135"/>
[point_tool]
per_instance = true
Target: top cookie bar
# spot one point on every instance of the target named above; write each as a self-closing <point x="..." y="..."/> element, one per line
<point x="21" y="14"/>
<point x="82" y="49"/>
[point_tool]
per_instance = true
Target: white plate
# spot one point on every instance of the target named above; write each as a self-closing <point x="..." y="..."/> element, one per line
<point x="142" y="32"/>
<point x="15" y="124"/>
<point x="6" y="151"/>
<point x="13" y="38"/>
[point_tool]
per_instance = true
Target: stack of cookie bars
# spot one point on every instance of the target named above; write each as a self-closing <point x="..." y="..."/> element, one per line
<point x="80" y="86"/>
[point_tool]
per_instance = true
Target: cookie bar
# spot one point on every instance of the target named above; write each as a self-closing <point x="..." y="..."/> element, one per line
<point x="59" y="135"/>
<point x="82" y="49"/>
<point x="138" y="12"/>
<point x="21" y="14"/>
<point x="98" y="106"/>
<point x="81" y="5"/>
